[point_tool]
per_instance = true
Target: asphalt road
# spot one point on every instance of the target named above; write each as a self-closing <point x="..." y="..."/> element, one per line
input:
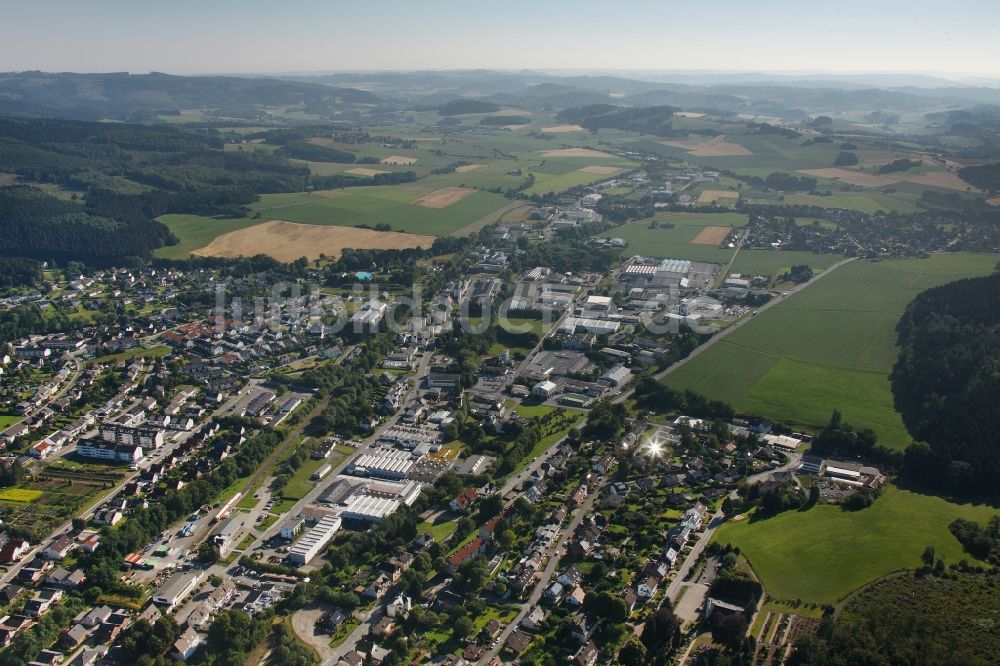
<point x="555" y="554"/>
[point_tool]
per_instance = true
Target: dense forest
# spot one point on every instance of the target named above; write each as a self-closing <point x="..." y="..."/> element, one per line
<point x="947" y="383"/>
<point x="653" y="120"/>
<point x="985" y="176"/>
<point x="911" y="619"/>
<point x="113" y="180"/>
<point x="19" y="272"/>
<point x="34" y="224"/>
<point x="457" y="107"/>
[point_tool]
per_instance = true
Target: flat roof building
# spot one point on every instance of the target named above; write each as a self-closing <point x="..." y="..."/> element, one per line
<point x="369" y="508"/>
<point x="176" y="589"/>
<point x="313" y="541"/>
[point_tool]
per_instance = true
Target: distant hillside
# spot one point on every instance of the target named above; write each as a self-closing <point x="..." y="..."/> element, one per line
<point x="459" y="106"/>
<point x="649" y="120"/>
<point x="115" y="179"/>
<point x="124" y="96"/>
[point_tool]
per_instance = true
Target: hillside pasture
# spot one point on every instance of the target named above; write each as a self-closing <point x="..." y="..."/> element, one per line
<point x="824" y="554"/>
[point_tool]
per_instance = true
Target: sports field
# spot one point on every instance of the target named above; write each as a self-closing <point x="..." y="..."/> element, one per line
<point x="823" y="554"/>
<point x="830" y="346"/>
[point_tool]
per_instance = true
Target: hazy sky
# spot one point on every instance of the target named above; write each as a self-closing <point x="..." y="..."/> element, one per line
<point x="242" y="36"/>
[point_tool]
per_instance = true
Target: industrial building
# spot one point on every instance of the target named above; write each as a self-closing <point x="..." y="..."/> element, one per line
<point x="229" y="533"/>
<point x="260" y="403"/>
<point x="314" y="540"/>
<point x="176" y="589"/>
<point x="572" y="325"/>
<point x="370" y="509"/>
<point x="383" y="463"/>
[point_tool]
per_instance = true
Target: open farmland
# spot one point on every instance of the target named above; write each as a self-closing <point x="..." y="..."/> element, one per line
<point x="716" y="147"/>
<point x="287" y="241"/>
<point x="575" y="152"/>
<point x="444" y="197"/>
<point x="389" y="205"/>
<point x="196" y="231"/>
<point x="720" y="196"/>
<point x="852" y="177"/>
<point x="711" y="236"/>
<point x="830" y="346"/>
<point x="823" y="554"/>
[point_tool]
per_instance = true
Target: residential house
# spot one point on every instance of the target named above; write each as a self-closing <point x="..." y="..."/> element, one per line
<point x="186" y="645"/>
<point x="586" y="655"/>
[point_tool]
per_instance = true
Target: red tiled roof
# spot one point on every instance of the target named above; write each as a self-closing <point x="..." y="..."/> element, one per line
<point x="465" y="552"/>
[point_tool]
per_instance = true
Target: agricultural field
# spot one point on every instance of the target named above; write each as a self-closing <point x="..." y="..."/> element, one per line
<point x="823" y="554"/>
<point x="197" y="231"/>
<point x="396" y="206"/>
<point x="830" y="346"/>
<point x="696" y="237"/>
<point x="287" y="241"/>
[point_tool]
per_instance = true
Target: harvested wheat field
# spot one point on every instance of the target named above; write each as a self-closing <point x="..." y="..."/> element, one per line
<point x="944" y="179"/>
<point x="469" y="167"/>
<point x="559" y="129"/>
<point x="362" y="171"/>
<point x="713" y="236"/>
<point x="575" y="152"/>
<point x="603" y="170"/>
<point x="514" y="128"/>
<point x="688" y="114"/>
<point x="993" y="202"/>
<point x="716" y="147"/>
<point x="400" y="160"/>
<point x="287" y="241"/>
<point x="859" y="178"/>
<point x="443" y="198"/>
<point x="708" y="196"/>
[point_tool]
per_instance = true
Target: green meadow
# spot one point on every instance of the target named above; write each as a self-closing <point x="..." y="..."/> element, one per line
<point x="197" y="231"/>
<point x="829" y="346"/>
<point x="823" y="554"/>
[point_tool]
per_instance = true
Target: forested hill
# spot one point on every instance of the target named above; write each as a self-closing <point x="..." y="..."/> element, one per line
<point x="126" y="96"/>
<point x="114" y="179"/>
<point x="947" y="380"/>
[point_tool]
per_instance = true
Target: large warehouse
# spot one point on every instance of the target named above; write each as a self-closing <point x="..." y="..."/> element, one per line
<point x="313" y="541"/>
<point x="370" y="509"/>
<point x="382" y="462"/>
